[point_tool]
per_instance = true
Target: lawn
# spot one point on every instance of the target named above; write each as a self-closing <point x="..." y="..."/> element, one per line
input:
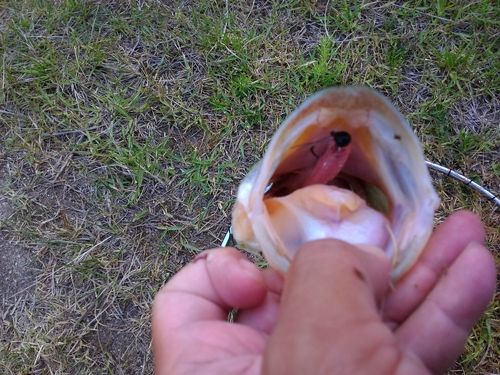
<point x="126" y="127"/>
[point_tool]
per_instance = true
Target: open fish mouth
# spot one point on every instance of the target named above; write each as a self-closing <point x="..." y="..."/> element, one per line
<point x="344" y="165"/>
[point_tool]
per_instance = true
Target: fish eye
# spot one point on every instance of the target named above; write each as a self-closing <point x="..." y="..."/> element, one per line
<point x="342" y="139"/>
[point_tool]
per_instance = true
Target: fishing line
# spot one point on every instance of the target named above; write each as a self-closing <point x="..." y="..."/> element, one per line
<point x="492" y="197"/>
<point x="467" y="181"/>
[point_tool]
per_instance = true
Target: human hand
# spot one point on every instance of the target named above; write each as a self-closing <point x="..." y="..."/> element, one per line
<point x="335" y="313"/>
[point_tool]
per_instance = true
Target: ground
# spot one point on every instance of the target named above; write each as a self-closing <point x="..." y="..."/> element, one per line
<point x="15" y="260"/>
<point x="126" y="127"/>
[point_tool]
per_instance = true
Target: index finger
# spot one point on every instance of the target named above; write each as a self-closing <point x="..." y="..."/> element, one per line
<point x="443" y="248"/>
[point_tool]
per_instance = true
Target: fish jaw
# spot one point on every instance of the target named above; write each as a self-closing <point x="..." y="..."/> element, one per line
<point x="385" y="160"/>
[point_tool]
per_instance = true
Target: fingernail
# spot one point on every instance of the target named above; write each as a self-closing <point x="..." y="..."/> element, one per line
<point x="200" y="256"/>
<point x="249" y="269"/>
<point x="274" y="280"/>
<point x="377" y="251"/>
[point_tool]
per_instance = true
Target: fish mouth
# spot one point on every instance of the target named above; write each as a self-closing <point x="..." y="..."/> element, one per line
<point x="323" y="187"/>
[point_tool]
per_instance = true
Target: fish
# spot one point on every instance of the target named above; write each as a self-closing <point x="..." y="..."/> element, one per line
<point x="345" y="165"/>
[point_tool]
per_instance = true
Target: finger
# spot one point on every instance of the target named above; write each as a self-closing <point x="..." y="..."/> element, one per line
<point x="438" y="329"/>
<point x="444" y="246"/>
<point x="329" y="316"/>
<point x="190" y="311"/>
<point x="206" y="289"/>
<point x="263" y="317"/>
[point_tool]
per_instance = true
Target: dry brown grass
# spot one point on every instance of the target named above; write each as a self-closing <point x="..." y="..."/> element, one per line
<point x="126" y="127"/>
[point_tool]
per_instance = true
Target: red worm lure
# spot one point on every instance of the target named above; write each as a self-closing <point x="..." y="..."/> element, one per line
<point x="332" y="161"/>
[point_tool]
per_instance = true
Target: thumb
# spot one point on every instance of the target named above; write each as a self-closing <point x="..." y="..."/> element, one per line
<point x="329" y="320"/>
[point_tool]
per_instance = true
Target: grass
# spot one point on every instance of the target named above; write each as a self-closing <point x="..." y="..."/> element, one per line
<point x="126" y="127"/>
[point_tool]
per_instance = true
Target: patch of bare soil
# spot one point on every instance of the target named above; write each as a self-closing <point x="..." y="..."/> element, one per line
<point x="14" y="267"/>
<point x="17" y="275"/>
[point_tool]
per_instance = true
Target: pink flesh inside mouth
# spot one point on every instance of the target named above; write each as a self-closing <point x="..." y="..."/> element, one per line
<point x="326" y="167"/>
